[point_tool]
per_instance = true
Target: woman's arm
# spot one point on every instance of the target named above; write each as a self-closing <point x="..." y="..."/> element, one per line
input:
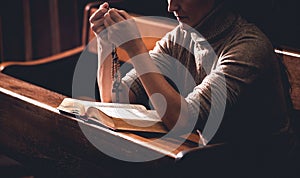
<point x="123" y="32"/>
<point x="104" y="75"/>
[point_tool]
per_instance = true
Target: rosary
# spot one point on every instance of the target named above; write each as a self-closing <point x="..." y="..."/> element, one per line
<point x="115" y="73"/>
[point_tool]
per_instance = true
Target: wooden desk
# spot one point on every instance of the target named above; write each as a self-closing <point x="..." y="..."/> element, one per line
<point x="33" y="132"/>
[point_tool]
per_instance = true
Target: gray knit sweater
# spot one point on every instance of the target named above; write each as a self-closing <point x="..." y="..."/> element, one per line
<point x="228" y="73"/>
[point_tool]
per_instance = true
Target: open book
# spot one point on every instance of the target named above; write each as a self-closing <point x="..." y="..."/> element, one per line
<point x="116" y="116"/>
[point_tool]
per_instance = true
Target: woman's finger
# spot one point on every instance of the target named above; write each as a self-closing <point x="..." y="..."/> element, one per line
<point x="99" y="13"/>
<point x="99" y="22"/>
<point x="98" y="25"/>
<point x="104" y="5"/>
<point x="115" y="15"/>
<point x="107" y="20"/>
<point x="124" y="14"/>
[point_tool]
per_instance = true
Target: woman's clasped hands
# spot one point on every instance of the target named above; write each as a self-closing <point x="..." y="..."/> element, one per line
<point x="113" y="26"/>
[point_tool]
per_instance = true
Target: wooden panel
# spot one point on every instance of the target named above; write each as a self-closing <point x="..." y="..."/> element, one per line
<point x="1" y="41"/>
<point x="27" y="30"/>
<point x="55" y="26"/>
<point x="32" y="29"/>
<point x="41" y="29"/>
<point x="70" y="14"/>
<point x="292" y="62"/>
<point x="12" y="30"/>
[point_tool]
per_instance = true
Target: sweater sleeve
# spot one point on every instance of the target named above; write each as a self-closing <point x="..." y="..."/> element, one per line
<point x="241" y="66"/>
<point x="160" y="57"/>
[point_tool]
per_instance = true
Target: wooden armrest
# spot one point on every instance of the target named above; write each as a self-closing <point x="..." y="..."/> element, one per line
<point x="45" y="60"/>
<point x="54" y="73"/>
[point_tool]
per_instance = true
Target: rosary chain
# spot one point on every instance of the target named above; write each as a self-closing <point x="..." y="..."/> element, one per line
<point x="115" y="72"/>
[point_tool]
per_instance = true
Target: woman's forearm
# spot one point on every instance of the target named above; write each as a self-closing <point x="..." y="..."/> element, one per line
<point x="105" y="80"/>
<point x="166" y="100"/>
<point x="105" y="83"/>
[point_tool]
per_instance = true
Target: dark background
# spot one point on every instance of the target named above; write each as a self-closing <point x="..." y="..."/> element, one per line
<point x="31" y="29"/>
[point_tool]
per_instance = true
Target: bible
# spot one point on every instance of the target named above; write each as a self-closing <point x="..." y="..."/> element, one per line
<point x="115" y="116"/>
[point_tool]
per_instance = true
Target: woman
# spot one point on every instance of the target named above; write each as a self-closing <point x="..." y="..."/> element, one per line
<point x="238" y="88"/>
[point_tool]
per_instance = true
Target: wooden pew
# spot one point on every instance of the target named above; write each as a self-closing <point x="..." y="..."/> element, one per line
<point x="51" y="144"/>
<point x="56" y="145"/>
<point x="36" y="134"/>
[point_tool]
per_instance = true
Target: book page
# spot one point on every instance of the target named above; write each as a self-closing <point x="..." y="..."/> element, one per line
<point x="79" y="107"/>
<point x="71" y="107"/>
<point x="130" y="113"/>
<point x="132" y="117"/>
<point x="86" y="104"/>
<point x="120" y="105"/>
